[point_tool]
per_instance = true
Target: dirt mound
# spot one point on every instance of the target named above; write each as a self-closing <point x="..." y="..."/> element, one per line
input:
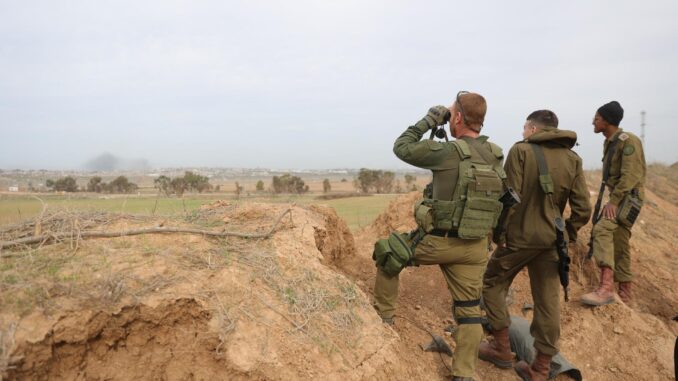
<point x="189" y="307"/>
<point x="398" y="215"/>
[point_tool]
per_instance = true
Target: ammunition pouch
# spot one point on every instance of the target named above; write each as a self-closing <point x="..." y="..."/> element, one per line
<point x="394" y="253"/>
<point x="472" y="218"/>
<point x="479" y="218"/>
<point x="629" y="209"/>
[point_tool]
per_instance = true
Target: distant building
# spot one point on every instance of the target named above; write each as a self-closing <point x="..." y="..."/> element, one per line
<point x="14" y="188"/>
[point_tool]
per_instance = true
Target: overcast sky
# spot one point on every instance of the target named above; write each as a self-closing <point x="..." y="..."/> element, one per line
<point x="318" y="84"/>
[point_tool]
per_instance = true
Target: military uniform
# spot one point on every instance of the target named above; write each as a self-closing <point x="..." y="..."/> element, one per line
<point x="530" y="233"/>
<point x="462" y="261"/>
<point x="626" y="173"/>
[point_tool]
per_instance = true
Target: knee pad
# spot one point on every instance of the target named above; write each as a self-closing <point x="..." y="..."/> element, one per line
<point x="466" y="304"/>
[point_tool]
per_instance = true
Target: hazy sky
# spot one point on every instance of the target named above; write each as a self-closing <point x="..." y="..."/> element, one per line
<point x="318" y="84"/>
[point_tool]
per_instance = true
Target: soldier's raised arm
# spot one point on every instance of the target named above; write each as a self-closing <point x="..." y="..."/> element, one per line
<point x="422" y="153"/>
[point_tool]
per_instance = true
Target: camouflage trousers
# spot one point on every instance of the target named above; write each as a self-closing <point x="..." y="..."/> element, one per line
<point x="542" y="267"/>
<point x="611" y="248"/>
<point x="463" y="264"/>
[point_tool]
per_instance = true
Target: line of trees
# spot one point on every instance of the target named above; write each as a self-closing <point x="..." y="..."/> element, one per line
<point x="179" y="185"/>
<point x="120" y="184"/>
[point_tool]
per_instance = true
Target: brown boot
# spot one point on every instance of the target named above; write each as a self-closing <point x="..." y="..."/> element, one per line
<point x="625" y="292"/>
<point x="605" y="292"/>
<point x="538" y="371"/>
<point x="498" y="350"/>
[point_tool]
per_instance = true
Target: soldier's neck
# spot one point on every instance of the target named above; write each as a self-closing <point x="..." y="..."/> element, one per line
<point x="610" y="131"/>
<point x="468" y="133"/>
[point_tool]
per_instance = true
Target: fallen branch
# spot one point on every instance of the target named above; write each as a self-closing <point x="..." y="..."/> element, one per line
<point x="124" y="233"/>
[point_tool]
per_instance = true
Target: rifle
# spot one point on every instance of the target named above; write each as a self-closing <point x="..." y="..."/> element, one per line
<point x="606" y="174"/>
<point x="563" y="257"/>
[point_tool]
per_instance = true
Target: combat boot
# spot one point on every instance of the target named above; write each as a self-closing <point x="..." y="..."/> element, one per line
<point x="538" y="371"/>
<point x="625" y="292"/>
<point x="498" y="350"/>
<point x="604" y="294"/>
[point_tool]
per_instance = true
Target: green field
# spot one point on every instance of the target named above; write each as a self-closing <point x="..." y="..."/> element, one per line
<point x="356" y="211"/>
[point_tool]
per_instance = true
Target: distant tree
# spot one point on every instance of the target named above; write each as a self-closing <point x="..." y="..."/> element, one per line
<point x="178" y="185"/>
<point x="374" y="180"/>
<point x="121" y="185"/>
<point x="49" y="183"/>
<point x="163" y="184"/>
<point x="384" y="181"/>
<point x="217" y="188"/>
<point x="30" y="187"/>
<point x="197" y="182"/>
<point x="289" y="184"/>
<point x="365" y="180"/>
<point x="327" y="186"/>
<point x="64" y="184"/>
<point x="260" y="186"/>
<point x="95" y="184"/>
<point x="238" y="189"/>
<point x="343" y="180"/>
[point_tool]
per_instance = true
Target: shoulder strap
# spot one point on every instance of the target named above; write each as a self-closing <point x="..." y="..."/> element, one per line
<point x="545" y="179"/>
<point x="496" y="150"/>
<point x="488" y="156"/>
<point x="462" y="148"/>
<point x="608" y="158"/>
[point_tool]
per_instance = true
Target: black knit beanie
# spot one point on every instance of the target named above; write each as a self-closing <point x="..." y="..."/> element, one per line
<point x="612" y="112"/>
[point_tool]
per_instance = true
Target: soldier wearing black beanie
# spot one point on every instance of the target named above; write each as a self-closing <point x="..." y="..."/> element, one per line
<point x="612" y="112"/>
<point x="624" y="175"/>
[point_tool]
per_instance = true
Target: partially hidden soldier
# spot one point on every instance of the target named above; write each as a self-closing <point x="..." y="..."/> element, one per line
<point x="546" y="173"/>
<point x="455" y="218"/>
<point x="624" y="175"/>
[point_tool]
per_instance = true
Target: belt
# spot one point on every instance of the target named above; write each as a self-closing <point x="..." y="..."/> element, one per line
<point x="444" y="233"/>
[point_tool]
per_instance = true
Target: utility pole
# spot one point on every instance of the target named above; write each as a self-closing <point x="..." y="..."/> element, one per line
<point x="642" y="127"/>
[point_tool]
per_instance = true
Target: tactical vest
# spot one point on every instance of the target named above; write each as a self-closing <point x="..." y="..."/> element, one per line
<point x="474" y="207"/>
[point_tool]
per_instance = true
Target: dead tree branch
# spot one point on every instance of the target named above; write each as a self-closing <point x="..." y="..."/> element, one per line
<point x="44" y="238"/>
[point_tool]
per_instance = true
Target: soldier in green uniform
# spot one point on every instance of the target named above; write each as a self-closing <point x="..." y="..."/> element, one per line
<point x="624" y="162"/>
<point x="452" y="240"/>
<point x="529" y="239"/>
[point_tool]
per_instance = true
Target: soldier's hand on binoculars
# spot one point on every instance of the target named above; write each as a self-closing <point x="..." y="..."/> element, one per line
<point x="437" y="116"/>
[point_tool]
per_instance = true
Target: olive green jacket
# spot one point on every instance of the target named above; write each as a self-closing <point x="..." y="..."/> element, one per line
<point x="530" y="224"/>
<point x="441" y="158"/>
<point x="627" y="169"/>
